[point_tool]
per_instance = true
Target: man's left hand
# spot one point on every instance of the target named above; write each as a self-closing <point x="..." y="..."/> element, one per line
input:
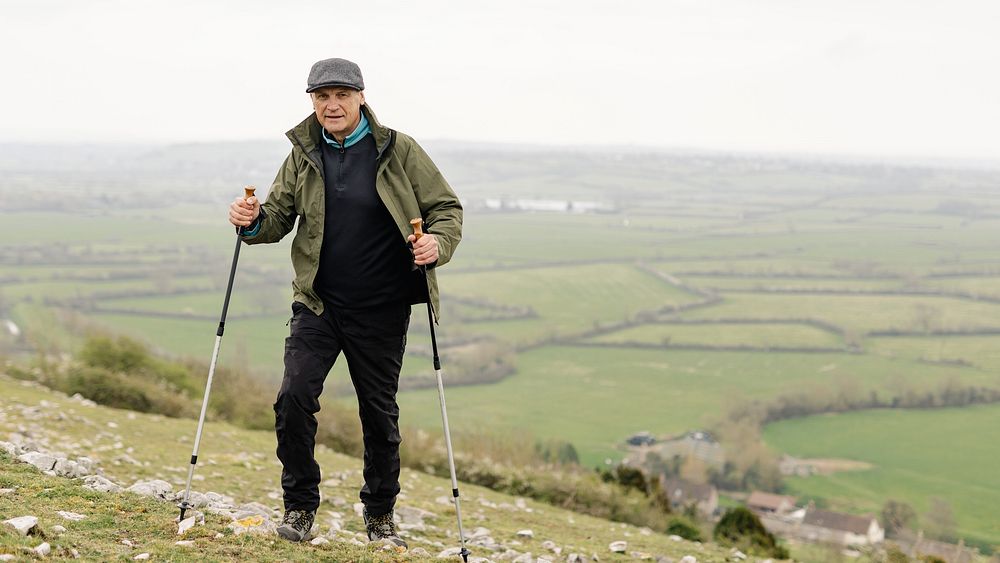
<point x="425" y="249"/>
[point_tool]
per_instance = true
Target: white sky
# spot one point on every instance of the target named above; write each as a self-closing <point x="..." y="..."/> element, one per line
<point x="863" y="77"/>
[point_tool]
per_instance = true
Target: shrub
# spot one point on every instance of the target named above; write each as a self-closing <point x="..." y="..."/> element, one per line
<point x="684" y="528"/>
<point x="742" y="529"/>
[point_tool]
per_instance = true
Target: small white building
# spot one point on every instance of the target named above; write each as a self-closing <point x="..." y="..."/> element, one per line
<point x="824" y="526"/>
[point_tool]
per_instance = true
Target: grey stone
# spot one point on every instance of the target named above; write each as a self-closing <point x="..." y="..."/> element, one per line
<point x="186" y="524"/>
<point x="319" y="541"/>
<point x="43" y="549"/>
<point x="618" y="547"/>
<point x="185" y="543"/>
<point x="45" y="462"/>
<point x="419" y="552"/>
<point x="156" y="488"/>
<point x="141" y="557"/>
<point x="11" y="449"/>
<point x="575" y="558"/>
<point x="101" y="484"/>
<point x="67" y="468"/>
<point x="450" y="552"/>
<point x="72" y="516"/>
<point x="524" y="558"/>
<point x="689" y="559"/>
<point x="59" y="529"/>
<point x="526" y="534"/>
<point x="479" y="532"/>
<point x="5" y="492"/>
<point x="23" y="524"/>
<point x="7" y="557"/>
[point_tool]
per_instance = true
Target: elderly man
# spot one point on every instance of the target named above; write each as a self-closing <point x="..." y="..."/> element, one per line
<point x="354" y="185"/>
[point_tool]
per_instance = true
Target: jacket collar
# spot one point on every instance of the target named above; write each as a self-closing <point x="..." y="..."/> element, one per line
<point x="308" y="134"/>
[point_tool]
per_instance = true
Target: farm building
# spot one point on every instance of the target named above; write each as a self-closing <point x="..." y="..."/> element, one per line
<point x="683" y="494"/>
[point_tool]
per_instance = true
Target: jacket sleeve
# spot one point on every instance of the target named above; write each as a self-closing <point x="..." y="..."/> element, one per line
<point x="277" y="213"/>
<point x="439" y="206"/>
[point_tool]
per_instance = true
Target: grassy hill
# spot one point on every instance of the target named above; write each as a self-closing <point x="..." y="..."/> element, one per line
<point x="240" y="463"/>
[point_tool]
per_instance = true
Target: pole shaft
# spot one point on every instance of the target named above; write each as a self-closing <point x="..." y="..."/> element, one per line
<point x="447" y="428"/>
<point x="211" y="374"/>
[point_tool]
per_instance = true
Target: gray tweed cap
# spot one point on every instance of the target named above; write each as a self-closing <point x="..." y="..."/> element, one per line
<point x="335" y="72"/>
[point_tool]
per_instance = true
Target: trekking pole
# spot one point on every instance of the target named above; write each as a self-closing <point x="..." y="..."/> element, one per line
<point x="417" y="232"/>
<point x="184" y="505"/>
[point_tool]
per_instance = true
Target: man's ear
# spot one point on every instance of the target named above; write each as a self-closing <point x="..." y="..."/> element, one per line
<point x="362" y="97"/>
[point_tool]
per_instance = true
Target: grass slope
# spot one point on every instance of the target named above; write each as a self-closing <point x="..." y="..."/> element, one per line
<point x="240" y="463"/>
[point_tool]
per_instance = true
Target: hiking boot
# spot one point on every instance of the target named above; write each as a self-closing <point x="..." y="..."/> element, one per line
<point x="382" y="528"/>
<point x="296" y="524"/>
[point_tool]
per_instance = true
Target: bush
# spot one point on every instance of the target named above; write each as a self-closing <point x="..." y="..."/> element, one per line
<point x="742" y="529"/>
<point x="684" y="528"/>
<point x="120" y="391"/>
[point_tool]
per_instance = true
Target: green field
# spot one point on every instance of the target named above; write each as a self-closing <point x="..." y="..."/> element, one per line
<point x="756" y="335"/>
<point x="917" y="454"/>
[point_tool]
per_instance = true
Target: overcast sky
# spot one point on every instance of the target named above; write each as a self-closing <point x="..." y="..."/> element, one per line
<point x="863" y="77"/>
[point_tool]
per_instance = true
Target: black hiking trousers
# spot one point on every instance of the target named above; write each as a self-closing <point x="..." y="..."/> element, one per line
<point x="373" y="341"/>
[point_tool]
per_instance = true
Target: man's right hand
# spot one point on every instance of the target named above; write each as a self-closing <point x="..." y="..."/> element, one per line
<point x="243" y="212"/>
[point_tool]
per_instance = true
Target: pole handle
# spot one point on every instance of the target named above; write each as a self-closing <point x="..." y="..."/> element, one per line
<point x="417" y="225"/>
<point x="248" y="192"/>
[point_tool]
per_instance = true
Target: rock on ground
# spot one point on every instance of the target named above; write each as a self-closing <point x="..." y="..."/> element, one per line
<point x="23" y="524"/>
<point x="154" y="488"/>
<point x="45" y="462"/>
<point x="101" y="484"/>
<point x="72" y="516"/>
<point x="618" y="547"/>
<point x="689" y="559"/>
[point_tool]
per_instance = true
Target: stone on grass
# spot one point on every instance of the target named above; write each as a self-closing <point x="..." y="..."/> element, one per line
<point x="45" y="462"/>
<point x="319" y="540"/>
<point x="419" y="552"/>
<point x="186" y="524"/>
<point x="526" y="534"/>
<point x="5" y="492"/>
<point x="72" y="516"/>
<point x="156" y="488"/>
<point x="128" y="543"/>
<point x="689" y="559"/>
<point x="11" y="449"/>
<point x="43" y="550"/>
<point x="185" y="543"/>
<point x="479" y="532"/>
<point x="524" y="558"/>
<point x="101" y="484"/>
<point x="23" y="524"/>
<point x="255" y="524"/>
<point x="7" y="557"/>
<point x="59" y="529"/>
<point x="141" y="557"/>
<point x="675" y="538"/>
<point x="618" y="547"/>
<point x="450" y="552"/>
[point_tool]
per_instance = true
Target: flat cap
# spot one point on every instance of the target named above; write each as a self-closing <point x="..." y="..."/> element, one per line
<point x="335" y="72"/>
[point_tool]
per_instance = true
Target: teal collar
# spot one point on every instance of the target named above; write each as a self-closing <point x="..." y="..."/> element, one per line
<point x="359" y="133"/>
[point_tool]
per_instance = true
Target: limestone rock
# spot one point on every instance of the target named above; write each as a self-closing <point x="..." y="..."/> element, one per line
<point x="419" y="552"/>
<point x="100" y="484"/>
<point x="526" y="534"/>
<point x="141" y="557"/>
<point x="450" y="552"/>
<point x="319" y="541"/>
<point x="618" y="547"/>
<point x="43" y="550"/>
<point x="12" y="449"/>
<point x="5" y="492"/>
<point x="689" y="559"/>
<point x="575" y="558"/>
<point x="72" y="516"/>
<point x="479" y="532"/>
<point x="59" y="529"/>
<point x="185" y="525"/>
<point x="524" y="558"/>
<point x="156" y="488"/>
<point x="23" y="524"/>
<point x="185" y="543"/>
<point x="255" y="524"/>
<point x="45" y="462"/>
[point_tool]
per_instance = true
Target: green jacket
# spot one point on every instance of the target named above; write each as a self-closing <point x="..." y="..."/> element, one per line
<point x="407" y="181"/>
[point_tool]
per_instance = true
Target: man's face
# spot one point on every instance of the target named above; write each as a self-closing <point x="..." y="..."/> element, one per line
<point x="338" y="109"/>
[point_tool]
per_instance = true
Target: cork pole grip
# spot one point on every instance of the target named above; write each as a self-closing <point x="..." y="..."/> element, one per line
<point x="417" y="224"/>
<point x="249" y="192"/>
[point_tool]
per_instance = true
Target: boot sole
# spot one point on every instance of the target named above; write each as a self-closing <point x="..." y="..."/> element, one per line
<point x="290" y="534"/>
